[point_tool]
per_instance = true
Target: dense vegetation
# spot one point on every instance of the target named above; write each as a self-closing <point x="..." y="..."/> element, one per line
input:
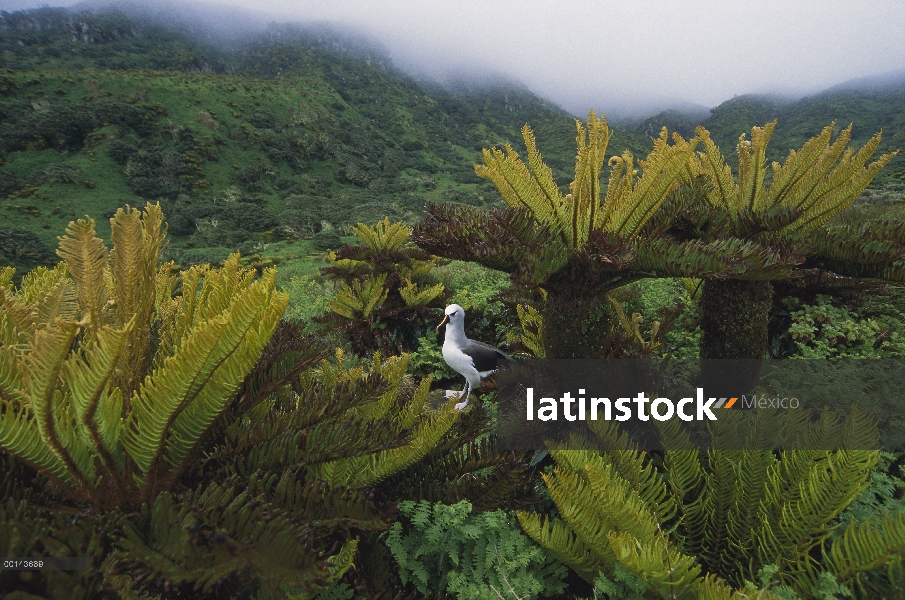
<point x="869" y="108"/>
<point x="272" y="423"/>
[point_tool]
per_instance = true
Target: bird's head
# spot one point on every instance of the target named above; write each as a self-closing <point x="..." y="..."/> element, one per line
<point x="454" y="314"/>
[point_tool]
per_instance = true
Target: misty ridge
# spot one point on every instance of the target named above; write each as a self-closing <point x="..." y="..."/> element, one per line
<point x="237" y="31"/>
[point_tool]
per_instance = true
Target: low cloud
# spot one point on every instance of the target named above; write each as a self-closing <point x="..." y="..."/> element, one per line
<point x="624" y="58"/>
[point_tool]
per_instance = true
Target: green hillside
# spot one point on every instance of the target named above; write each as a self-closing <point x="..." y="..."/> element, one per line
<point x="870" y="109"/>
<point x="286" y="136"/>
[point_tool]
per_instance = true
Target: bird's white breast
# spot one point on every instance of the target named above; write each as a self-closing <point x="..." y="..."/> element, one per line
<point x="457" y="359"/>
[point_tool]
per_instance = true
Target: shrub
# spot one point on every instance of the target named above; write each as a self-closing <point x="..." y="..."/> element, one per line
<point x="308" y="298"/>
<point x="446" y="549"/>
<point x="57" y="123"/>
<point x="159" y="173"/>
<point x="251" y="176"/>
<point x="263" y="119"/>
<point x="327" y="239"/>
<point x="249" y="216"/>
<point x="384" y="296"/>
<point x="207" y="120"/>
<point x="298" y="223"/>
<point x="113" y="388"/>
<point x="690" y="523"/>
<point x="827" y="330"/>
<point x="115" y="111"/>
<point x="23" y="248"/>
<point x="9" y="183"/>
<point x="121" y="150"/>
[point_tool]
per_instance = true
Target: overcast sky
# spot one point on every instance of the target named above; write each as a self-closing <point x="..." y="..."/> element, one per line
<point x="618" y="55"/>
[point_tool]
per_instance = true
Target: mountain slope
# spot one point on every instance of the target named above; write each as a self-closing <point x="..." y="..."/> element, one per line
<point x="871" y="104"/>
<point x="290" y="132"/>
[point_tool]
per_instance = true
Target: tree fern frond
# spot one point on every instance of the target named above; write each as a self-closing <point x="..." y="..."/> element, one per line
<point x="360" y="299"/>
<point x="11" y="372"/>
<point x="752" y="167"/>
<point x="794" y="180"/>
<point x="543" y="175"/>
<point x="864" y="546"/>
<point x="366" y="471"/>
<point x="717" y="259"/>
<point x="712" y="163"/>
<point x="654" y="559"/>
<point x="383" y="236"/>
<point x="86" y="258"/>
<point x="20" y="437"/>
<point x="252" y="323"/>
<point x="830" y="485"/>
<point x="662" y="168"/>
<point x="840" y="187"/>
<point x="415" y="297"/>
<point x="559" y="540"/>
<point x="42" y="370"/>
<point x="579" y="505"/>
<point x="169" y="388"/>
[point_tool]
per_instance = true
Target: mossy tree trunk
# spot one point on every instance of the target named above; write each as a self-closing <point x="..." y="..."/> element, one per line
<point x="577" y="325"/>
<point x="734" y="318"/>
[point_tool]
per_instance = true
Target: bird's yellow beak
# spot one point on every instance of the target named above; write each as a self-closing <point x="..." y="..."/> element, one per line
<point x="442" y="323"/>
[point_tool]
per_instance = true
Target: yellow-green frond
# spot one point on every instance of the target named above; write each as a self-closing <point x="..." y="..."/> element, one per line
<point x="710" y="162"/>
<point x="362" y="298"/>
<point x="557" y="538"/>
<point x="252" y="321"/>
<point x="865" y="546"/>
<point x="752" y="167"/>
<point x="86" y="258"/>
<point x="383" y="236"/>
<point x="415" y="297"/>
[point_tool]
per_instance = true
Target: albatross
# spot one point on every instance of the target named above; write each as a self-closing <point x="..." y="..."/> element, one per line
<point x="473" y="360"/>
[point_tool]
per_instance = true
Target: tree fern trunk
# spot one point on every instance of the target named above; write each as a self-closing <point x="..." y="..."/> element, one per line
<point x="734" y="317"/>
<point x="577" y="326"/>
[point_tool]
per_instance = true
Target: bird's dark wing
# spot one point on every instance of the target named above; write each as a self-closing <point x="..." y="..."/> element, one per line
<point x="485" y="356"/>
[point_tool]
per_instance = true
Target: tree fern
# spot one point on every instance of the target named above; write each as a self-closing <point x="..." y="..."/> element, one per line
<point x="787" y="219"/>
<point x="105" y="441"/>
<point x="574" y="246"/>
<point x="711" y="520"/>
<point x="385" y="293"/>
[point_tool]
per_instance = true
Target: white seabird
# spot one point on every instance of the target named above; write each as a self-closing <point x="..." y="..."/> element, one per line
<point x="473" y="360"/>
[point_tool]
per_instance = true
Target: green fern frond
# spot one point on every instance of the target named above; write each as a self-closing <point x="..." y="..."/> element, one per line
<point x="348" y="265"/>
<point x="415" y="297"/>
<point x="864" y="546"/>
<point x="426" y="434"/>
<point x="716" y="259"/>
<point x="840" y="187"/>
<point x="656" y="561"/>
<point x="532" y="329"/>
<point x="360" y="299"/>
<point x="561" y="541"/>
<point x="253" y="319"/>
<point x="383" y="236"/>
<point x="633" y="207"/>
<point x="42" y="371"/>
<point x="86" y="258"/>
<point x="752" y="167"/>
